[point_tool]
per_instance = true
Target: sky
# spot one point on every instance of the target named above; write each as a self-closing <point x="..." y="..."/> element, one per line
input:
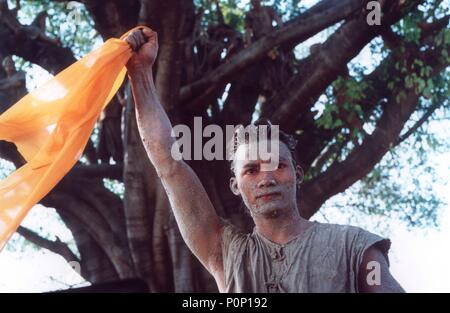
<point x="25" y="268"/>
<point x="419" y="258"/>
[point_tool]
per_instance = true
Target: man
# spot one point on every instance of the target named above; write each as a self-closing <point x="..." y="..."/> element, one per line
<point x="14" y="78"/>
<point x="259" y="21"/>
<point x="285" y="252"/>
<point x="13" y="86"/>
<point x="36" y="30"/>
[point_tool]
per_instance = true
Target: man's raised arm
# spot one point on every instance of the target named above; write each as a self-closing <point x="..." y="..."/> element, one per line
<point x="195" y="215"/>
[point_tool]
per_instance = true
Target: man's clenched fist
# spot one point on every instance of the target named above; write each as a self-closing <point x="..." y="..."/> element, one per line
<point x="144" y="43"/>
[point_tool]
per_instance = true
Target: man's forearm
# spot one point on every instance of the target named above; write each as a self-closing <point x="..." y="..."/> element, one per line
<point x="195" y="215"/>
<point x="153" y="123"/>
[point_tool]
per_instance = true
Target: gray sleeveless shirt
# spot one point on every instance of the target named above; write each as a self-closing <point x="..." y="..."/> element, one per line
<point x="325" y="258"/>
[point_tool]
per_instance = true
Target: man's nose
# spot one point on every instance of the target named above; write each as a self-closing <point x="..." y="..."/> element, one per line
<point x="267" y="180"/>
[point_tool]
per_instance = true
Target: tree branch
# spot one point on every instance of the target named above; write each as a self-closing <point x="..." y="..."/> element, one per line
<point x="361" y="160"/>
<point x="316" y="138"/>
<point x="114" y="17"/>
<point x="320" y="16"/>
<point x="56" y="246"/>
<point x="325" y="66"/>
<point x="97" y="227"/>
<point x="364" y="157"/>
<point x="419" y="123"/>
<point x="100" y="171"/>
<point x="8" y="151"/>
<point x="18" y="40"/>
<point x="428" y="29"/>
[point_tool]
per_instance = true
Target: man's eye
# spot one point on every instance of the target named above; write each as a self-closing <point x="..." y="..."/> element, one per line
<point x="250" y="171"/>
<point x="281" y="165"/>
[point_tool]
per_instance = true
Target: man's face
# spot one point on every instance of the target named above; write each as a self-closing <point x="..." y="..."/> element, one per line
<point x="256" y="3"/>
<point x="9" y="66"/>
<point x="265" y="190"/>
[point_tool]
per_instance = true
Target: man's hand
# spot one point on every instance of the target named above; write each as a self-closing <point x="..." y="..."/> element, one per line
<point x="144" y="43"/>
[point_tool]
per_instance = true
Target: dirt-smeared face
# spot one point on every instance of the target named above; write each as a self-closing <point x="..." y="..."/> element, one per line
<point x="269" y="192"/>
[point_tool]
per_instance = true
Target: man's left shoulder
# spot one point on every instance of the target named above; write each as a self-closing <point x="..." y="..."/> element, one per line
<point x="353" y="236"/>
<point x="340" y="230"/>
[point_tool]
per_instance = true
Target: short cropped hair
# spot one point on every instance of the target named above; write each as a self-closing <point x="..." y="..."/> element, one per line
<point x="284" y="137"/>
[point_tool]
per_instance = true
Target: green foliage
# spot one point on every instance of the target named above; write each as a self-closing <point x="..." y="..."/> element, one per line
<point x="354" y="93"/>
<point x="234" y="17"/>
<point x="68" y="21"/>
<point x="401" y="186"/>
<point x="234" y="11"/>
<point x="327" y="119"/>
<point x="412" y="198"/>
<point x="287" y="9"/>
<point x="409" y="27"/>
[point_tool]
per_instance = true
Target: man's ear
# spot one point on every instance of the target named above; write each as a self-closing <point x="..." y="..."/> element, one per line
<point x="234" y="186"/>
<point x="299" y="174"/>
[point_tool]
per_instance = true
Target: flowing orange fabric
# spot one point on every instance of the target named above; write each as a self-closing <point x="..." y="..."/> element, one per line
<point x="52" y="125"/>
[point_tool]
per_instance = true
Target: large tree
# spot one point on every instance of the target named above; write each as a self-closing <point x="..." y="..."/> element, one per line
<point x="219" y="60"/>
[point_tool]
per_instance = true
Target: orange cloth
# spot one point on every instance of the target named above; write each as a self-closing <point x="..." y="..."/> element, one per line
<point x="52" y="125"/>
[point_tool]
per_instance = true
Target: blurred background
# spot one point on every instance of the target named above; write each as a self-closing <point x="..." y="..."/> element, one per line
<point x="365" y="92"/>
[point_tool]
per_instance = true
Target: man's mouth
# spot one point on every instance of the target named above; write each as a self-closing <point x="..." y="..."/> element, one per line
<point x="268" y="196"/>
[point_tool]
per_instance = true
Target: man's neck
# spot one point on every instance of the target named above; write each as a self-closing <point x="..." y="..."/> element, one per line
<point x="281" y="229"/>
